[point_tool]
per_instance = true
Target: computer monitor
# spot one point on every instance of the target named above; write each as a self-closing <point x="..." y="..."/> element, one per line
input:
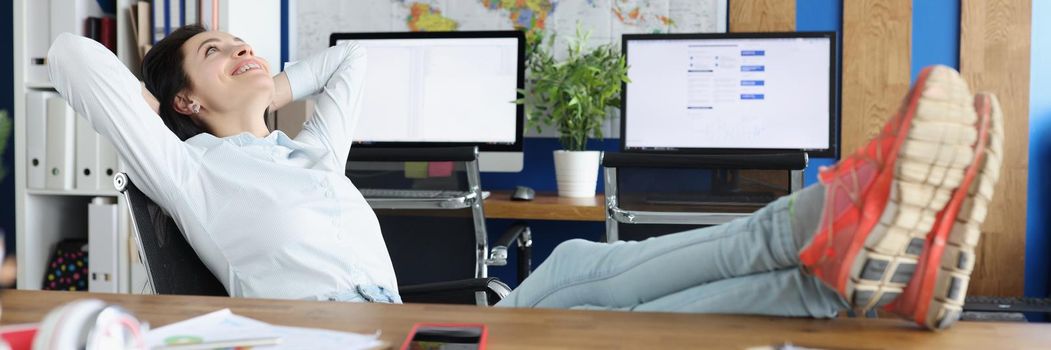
<point x="731" y="93"/>
<point x="444" y="89"/>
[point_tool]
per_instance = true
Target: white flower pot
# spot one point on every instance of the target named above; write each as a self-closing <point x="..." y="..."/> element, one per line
<point x="576" y="172"/>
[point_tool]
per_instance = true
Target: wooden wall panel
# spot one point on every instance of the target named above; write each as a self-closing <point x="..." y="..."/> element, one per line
<point x="994" y="56"/>
<point x="877" y="36"/>
<point x="762" y="15"/>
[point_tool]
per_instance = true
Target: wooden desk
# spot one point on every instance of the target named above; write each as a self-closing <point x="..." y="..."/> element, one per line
<point x="546" y="206"/>
<point x="539" y="328"/>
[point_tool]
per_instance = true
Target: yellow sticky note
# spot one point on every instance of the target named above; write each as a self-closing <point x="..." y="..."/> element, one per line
<point x="416" y="170"/>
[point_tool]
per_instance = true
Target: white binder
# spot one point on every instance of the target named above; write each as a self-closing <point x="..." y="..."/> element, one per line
<point x="86" y="156"/>
<point x="36" y="138"/>
<point x="38" y="39"/>
<point x="106" y="165"/>
<point x="60" y="142"/>
<point x="102" y="245"/>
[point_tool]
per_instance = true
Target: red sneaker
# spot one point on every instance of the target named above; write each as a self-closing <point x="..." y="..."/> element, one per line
<point x="934" y="298"/>
<point x="881" y="202"/>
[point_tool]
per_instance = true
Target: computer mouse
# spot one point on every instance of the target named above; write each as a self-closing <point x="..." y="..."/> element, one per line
<point x="523" y="193"/>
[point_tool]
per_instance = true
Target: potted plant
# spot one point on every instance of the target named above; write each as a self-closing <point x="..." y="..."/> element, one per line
<point x="575" y="96"/>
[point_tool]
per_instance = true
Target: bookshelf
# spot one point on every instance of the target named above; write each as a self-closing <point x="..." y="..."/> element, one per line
<point x="45" y="216"/>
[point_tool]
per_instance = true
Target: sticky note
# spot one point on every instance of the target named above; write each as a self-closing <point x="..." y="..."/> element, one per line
<point x="416" y="170"/>
<point x="440" y="169"/>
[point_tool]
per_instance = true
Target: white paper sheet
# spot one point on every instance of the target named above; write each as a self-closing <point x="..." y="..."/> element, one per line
<point x="225" y="325"/>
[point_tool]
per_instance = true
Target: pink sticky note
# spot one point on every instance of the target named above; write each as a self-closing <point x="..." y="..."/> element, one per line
<point x="439" y="169"/>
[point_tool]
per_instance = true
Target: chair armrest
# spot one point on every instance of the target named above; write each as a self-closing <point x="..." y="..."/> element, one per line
<point x="475" y="291"/>
<point x="520" y="235"/>
<point x="519" y="232"/>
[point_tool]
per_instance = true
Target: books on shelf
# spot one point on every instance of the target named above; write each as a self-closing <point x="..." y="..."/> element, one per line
<point x="159" y="22"/>
<point x="141" y="15"/>
<point x="152" y="20"/>
<point x="103" y="30"/>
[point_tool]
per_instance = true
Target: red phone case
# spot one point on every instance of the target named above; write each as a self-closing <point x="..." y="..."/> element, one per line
<point x="481" y="340"/>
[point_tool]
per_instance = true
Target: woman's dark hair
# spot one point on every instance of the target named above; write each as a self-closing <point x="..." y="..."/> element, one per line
<point x="164" y="76"/>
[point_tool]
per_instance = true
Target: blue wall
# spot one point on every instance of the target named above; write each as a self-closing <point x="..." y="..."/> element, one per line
<point x="7" y="70"/>
<point x="935" y="34"/>
<point x="1038" y="240"/>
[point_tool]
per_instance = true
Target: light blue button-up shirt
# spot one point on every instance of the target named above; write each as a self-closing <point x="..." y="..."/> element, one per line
<point x="271" y="217"/>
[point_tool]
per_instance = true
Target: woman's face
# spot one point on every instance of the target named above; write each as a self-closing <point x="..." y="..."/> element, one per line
<point x="225" y="75"/>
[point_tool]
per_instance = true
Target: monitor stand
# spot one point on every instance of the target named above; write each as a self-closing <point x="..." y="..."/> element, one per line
<point x="500" y="162"/>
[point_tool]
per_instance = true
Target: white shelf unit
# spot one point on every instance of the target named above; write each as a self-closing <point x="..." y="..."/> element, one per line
<point x="45" y="216"/>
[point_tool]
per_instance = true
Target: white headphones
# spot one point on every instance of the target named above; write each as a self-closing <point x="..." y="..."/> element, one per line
<point x="90" y="324"/>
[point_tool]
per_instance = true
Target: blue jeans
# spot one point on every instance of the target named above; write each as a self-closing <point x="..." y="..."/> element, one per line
<point x="748" y="266"/>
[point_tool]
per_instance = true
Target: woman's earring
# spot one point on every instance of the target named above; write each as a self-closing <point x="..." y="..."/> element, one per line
<point x="196" y="108"/>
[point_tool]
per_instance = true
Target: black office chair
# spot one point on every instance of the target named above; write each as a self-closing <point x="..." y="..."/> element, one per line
<point x="438" y="233"/>
<point x="173" y="267"/>
<point x="650" y="195"/>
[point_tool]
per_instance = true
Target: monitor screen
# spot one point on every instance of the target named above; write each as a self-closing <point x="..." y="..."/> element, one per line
<point x="445" y="89"/>
<point x="708" y="93"/>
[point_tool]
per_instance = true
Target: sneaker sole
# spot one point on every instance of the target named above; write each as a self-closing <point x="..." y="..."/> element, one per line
<point x="931" y="163"/>
<point x="941" y="302"/>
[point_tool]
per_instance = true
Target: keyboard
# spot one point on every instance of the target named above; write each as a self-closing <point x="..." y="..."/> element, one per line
<point x="413" y="194"/>
<point x="1007" y="304"/>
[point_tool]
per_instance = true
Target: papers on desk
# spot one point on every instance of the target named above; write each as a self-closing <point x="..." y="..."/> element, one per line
<point x="224" y="325"/>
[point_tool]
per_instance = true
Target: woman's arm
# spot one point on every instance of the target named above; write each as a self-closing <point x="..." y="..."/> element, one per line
<point x="336" y="75"/>
<point x="102" y="90"/>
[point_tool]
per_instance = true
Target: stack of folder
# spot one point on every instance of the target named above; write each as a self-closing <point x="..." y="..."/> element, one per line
<point x="63" y="152"/>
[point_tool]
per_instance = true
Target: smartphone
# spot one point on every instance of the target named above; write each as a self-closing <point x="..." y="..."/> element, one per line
<point x="446" y="336"/>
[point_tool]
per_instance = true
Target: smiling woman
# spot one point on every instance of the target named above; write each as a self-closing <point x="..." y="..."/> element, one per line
<point x="269" y="216"/>
<point x="208" y="81"/>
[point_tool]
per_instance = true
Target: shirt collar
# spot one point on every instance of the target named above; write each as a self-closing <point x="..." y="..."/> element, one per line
<point x="277" y="137"/>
